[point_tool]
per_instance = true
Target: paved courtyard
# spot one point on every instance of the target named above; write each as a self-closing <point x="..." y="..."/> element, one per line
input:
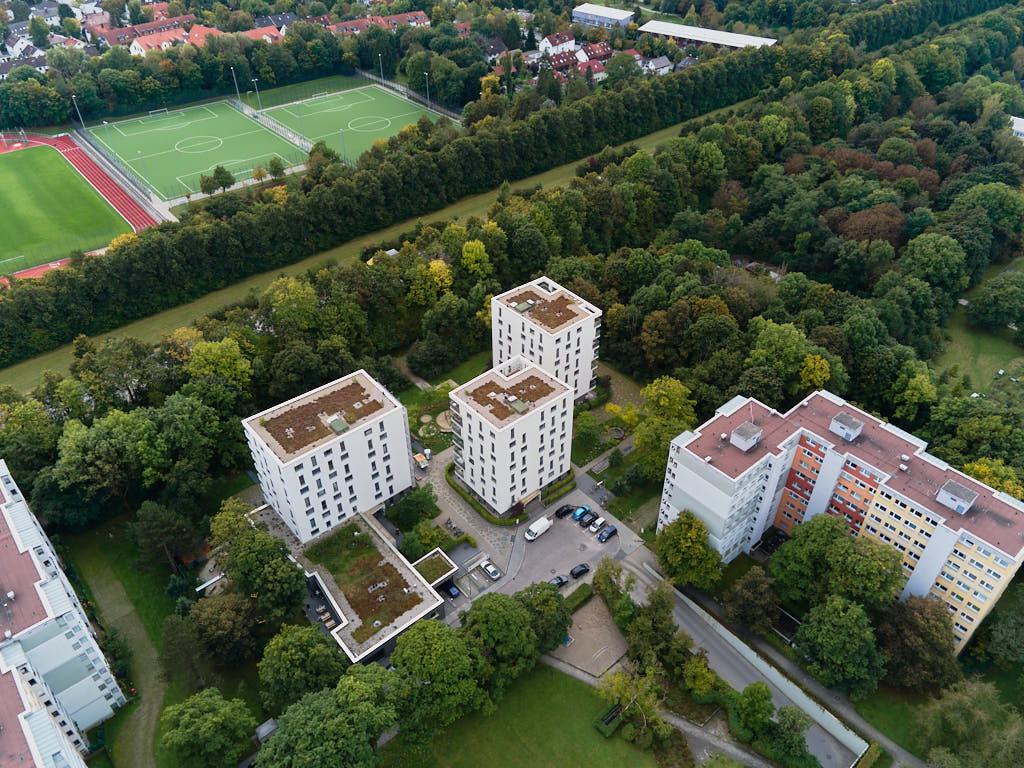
<point x="596" y="644"/>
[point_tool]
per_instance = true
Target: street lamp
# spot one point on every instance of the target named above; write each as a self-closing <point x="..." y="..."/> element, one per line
<point x="426" y="78"/>
<point x="235" y="80"/>
<point x="79" y="111"/>
<point x="257" y="87"/>
<point x="344" y="154"/>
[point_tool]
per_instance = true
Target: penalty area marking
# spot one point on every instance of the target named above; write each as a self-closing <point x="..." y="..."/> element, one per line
<point x="196" y="145"/>
<point x="369" y="123"/>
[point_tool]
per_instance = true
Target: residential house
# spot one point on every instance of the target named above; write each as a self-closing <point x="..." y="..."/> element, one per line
<point x="268" y="34"/>
<point x="493" y="49"/>
<point x="593" y="70"/>
<point x="37" y="62"/>
<point x="280" y="20"/>
<point x="601" y="51"/>
<point x="560" y="42"/>
<point x="560" y="62"/>
<point x="661" y="65"/>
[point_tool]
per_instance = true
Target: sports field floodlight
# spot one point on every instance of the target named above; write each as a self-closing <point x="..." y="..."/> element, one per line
<point x="344" y="154"/>
<point x="235" y="80"/>
<point x="106" y="127"/>
<point x="426" y="78"/>
<point x="257" y="87"/>
<point x="380" y="61"/>
<point x="142" y="162"/>
<point x="79" y="111"/>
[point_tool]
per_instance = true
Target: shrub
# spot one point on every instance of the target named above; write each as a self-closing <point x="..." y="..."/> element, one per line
<point x="607" y="729"/>
<point x="579" y="597"/>
<point x="449" y="475"/>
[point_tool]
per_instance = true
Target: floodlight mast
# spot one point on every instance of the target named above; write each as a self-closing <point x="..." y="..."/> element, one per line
<point x="235" y="79"/>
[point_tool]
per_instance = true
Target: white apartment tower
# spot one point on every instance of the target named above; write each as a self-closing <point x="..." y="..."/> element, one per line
<point x="334" y="452"/>
<point x="551" y="327"/>
<point x="512" y="430"/>
<point x="54" y="681"/>
<point x="750" y="467"/>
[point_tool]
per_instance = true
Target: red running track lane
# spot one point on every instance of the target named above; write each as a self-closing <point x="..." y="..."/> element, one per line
<point x="123" y="203"/>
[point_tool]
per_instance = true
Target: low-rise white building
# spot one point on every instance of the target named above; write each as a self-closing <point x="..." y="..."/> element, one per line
<point x="54" y="681"/>
<point x="512" y="430"/>
<point x="553" y="328"/>
<point x="1017" y="126"/>
<point x="334" y="452"/>
<point x="684" y="35"/>
<point x="590" y="15"/>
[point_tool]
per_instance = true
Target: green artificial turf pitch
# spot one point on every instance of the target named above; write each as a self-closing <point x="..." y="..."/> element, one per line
<point x="350" y="121"/>
<point x="169" y="150"/>
<point x="48" y="210"/>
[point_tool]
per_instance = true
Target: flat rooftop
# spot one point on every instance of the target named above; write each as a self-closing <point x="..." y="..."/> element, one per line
<point x="310" y="420"/>
<point x="600" y="10"/>
<point x="998" y="521"/>
<point x="372" y="593"/>
<point x="548" y="305"/>
<point x="700" y="34"/>
<point x="504" y="398"/>
<point x="18" y="574"/>
<point x="14" y="750"/>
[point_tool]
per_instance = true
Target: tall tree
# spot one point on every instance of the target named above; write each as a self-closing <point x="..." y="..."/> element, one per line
<point x="498" y="630"/>
<point x="752" y="601"/>
<point x="297" y="661"/>
<point x="685" y="555"/>
<point x="161" y="534"/>
<point x="259" y="563"/>
<point x="756" y="709"/>
<point x="549" y="616"/>
<point x="207" y="731"/>
<point x="669" y="411"/>
<point x="225" y="622"/>
<point x="916" y="637"/>
<point x="337" y="727"/>
<point x="836" y="644"/>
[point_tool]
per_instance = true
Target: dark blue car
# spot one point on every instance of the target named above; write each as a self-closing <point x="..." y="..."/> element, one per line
<point x="607" y="533"/>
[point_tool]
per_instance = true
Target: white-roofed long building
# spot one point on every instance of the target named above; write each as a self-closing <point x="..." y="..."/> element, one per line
<point x="54" y="681"/>
<point x="590" y="15"/>
<point x="684" y="35"/>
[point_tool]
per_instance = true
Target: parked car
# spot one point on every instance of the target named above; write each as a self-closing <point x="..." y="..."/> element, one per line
<point x="587" y="519"/>
<point x="452" y="591"/>
<point x="597" y="525"/>
<point x="607" y="533"/>
<point x="488" y="567"/>
<point x="564" y="511"/>
<point x="559" y="581"/>
<point x="580" y="512"/>
<point x="579" y="570"/>
<point x="537" y="528"/>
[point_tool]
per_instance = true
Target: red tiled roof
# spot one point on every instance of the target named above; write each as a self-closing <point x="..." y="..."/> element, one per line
<point x="599" y="51"/>
<point x="564" y="60"/>
<point x="880" y="445"/>
<point x="593" y="65"/>
<point x="263" y="33"/>
<point x="560" y="37"/>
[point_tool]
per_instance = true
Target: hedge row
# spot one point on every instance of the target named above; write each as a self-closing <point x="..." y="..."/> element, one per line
<point x="449" y="474"/>
<point x="579" y="597"/>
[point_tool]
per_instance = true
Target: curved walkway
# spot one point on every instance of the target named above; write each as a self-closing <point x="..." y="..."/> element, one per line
<point x="134" y="745"/>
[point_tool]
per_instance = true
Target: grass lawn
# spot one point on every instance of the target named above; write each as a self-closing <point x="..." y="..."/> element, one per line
<point x="544" y="720"/>
<point x="433" y="568"/>
<point x="979" y="353"/>
<point x="25" y="375"/>
<point x="891" y="712"/>
<point x="49" y="210"/>
<point x="733" y="572"/>
<point x="467" y="370"/>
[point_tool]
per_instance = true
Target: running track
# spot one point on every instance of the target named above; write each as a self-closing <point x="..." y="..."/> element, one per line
<point x="122" y="202"/>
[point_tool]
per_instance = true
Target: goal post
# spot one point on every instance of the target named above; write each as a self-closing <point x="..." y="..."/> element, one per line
<point x="161" y="111"/>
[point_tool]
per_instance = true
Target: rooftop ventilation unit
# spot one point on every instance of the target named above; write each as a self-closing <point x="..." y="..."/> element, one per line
<point x="904" y="457"/>
<point x="724" y="436"/>
<point x="746" y="436"/>
<point x="904" y="468"/>
<point x="956" y="496"/>
<point x="846" y="426"/>
<point x="708" y="459"/>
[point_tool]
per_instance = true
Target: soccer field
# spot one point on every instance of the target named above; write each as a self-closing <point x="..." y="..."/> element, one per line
<point x="170" y="150"/>
<point x="362" y="114"/>
<point x="47" y="209"/>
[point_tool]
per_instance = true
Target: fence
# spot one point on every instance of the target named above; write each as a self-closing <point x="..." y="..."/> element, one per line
<point x="281" y="95"/>
<point x="272" y="125"/>
<point x="140" y="189"/>
<point x="411" y="95"/>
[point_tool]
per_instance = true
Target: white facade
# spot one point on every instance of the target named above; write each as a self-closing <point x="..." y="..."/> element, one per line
<point x="512" y="429"/>
<point x="551" y="327"/>
<point x="332" y="453"/>
<point x="30" y="736"/>
<point x="45" y="635"/>
<point x="685" y="34"/>
<point x="1017" y="126"/>
<point x="560" y="42"/>
<point x="591" y="15"/>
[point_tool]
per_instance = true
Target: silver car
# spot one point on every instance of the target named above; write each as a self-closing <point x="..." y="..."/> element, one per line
<point x="488" y="567"/>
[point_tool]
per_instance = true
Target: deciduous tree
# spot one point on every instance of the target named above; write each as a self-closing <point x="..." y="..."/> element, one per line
<point x="498" y="631"/>
<point x="207" y="731"/>
<point x="916" y="637"/>
<point x="549" y="616"/>
<point x="685" y="555"/>
<point x="297" y="661"/>
<point x="751" y="601"/>
<point x="836" y="644"/>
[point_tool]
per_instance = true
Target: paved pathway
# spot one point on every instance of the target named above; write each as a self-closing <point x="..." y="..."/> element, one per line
<point x="703" y="744"/>
<point x="837" y="702"/>
<point x="403" y="366"/>
<point x="134" y="745"/>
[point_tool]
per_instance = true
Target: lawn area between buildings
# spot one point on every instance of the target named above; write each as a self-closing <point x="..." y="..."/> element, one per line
<point x="546" y="719"/>
<point x="892" y="712"/>
<point x="979" y="352"/>
<point x="25" y="375"/>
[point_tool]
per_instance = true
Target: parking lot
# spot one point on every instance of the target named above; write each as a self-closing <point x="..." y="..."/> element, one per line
<point x="565" y="545"/>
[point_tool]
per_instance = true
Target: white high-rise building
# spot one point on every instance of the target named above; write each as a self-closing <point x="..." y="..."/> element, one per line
<point x="512" y="429"/>
<point x="54" y="681"/>
<point x="551" y="327"/>
<point x="324" y="456"/>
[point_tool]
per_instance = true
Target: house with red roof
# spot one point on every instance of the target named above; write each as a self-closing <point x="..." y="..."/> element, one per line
<point x="593" y="69"/>
<point x="595" y="52"/>
<point x="268" y="34"/>
<point x="560" y="42"/>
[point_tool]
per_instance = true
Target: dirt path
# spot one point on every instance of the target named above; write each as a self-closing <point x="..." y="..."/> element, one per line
<point x="134" y="746"/>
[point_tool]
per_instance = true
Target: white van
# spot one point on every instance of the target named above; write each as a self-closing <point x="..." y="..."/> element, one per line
<point x="597" y="525"/>
<point x="537" y="528"/>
